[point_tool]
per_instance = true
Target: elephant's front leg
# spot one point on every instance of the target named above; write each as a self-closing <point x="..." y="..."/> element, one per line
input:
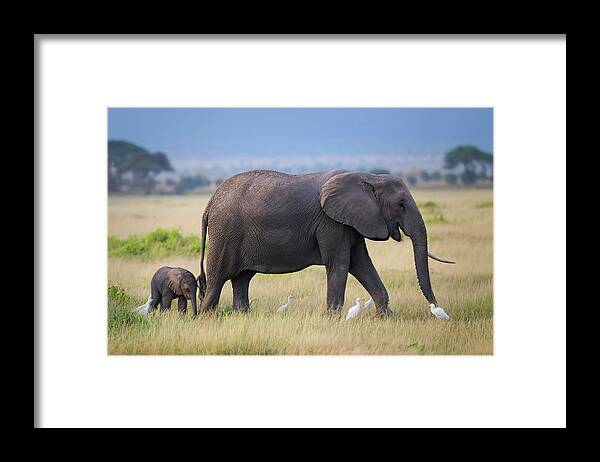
<point x="361" y="267"/>
<point x="337" y="276"/>
<point x="182" y="305"/>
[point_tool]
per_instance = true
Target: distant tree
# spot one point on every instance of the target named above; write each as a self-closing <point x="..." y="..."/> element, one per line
<point x="471" y="158"/>
<point x="119" y="153"/>
<point x="380" y="171"/>
<point x="412" y="179"/>
<point x="187" y="183"/>
<point x="468" y="177"/>
<point x="451" y="178"/>
<point x="161" y="163"/>
<point x="425" y="176"/>
<point x="124" y="157"/>
<point x="436" y="176"/>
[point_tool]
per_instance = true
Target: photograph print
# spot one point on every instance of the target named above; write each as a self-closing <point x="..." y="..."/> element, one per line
<point x="300" y="231"/>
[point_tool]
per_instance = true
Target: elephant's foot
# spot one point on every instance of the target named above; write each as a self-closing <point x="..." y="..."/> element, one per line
<point x="334" y="311"/>
<point x="209" y="312"/>
<point x="240" y="307"/>
<point x="384" y="312"/>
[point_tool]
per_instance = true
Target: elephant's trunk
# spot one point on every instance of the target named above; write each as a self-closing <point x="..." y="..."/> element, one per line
<point x="421" y="254"/>
<point x="422" y="267"/>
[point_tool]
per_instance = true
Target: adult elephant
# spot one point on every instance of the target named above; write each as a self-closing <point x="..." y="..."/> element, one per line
<point x="270" y="222"/>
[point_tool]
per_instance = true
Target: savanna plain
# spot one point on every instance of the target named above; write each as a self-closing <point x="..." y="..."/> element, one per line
<point x="147" y="232"/>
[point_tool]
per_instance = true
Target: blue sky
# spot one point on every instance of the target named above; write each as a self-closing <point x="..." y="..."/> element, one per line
<point x="184" y="133"/>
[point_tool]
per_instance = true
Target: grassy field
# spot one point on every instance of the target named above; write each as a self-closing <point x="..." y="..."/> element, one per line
<point x="459" y="223"/>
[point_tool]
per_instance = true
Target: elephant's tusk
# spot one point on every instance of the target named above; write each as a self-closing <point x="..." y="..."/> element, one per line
<point x="443" y="260"/>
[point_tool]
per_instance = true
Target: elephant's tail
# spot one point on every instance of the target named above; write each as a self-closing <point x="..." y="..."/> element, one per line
<point x="202" y="277"/>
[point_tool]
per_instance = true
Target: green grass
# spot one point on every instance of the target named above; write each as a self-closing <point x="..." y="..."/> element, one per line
<point x="120" y="313"/>
<point x="431" y="212"/>
<point x="158" y="243"/>
<point x="224" y="311"/>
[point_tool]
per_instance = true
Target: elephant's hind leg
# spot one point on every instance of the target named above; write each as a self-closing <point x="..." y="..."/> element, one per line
<point x="337" y="276"/>
<point x="156" y="298"/>
<point x="165" y="303"/>
<point x="361" y="267"/>
<point x="213" y="294"/>
<point x="240" y="285"/>
<point x="220" y="266"/>
<point x="335" y="254"/>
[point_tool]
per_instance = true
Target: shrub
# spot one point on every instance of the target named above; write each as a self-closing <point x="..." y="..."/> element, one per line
<point x="120" y="309"/>
<point x="158" y="243"/>
<point x="428" y="205"/>
<point x="118" y="296"/>
<point x="436" y="217"/>
<point x="432" y="212"/>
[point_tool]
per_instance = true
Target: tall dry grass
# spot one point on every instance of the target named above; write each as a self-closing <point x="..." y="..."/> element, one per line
<point x="459" y="223"/>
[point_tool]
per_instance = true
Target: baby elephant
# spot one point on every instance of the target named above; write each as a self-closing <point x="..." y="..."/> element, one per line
<point x="169" y="283"/>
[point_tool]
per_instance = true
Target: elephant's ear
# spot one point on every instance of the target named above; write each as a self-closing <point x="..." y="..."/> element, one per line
<point x="349" y="198"/>
<point x="174" y="279"/>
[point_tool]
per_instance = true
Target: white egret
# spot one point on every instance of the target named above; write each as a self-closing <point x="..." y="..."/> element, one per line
<point x="143" y="309"/>
<point x="354" y="310"/>
<point x="284" y="308"/>
<point x="369" y="303"/>
<point x="439" y="312"/>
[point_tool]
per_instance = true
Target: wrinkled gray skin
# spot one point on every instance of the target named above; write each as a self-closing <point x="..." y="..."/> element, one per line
<point x="169" y="283"/>
<point x="270" y="222"/>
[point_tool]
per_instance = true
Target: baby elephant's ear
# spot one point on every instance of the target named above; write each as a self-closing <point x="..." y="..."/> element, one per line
<point x="174" y="279"/>
<point x="349" y="198"/>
